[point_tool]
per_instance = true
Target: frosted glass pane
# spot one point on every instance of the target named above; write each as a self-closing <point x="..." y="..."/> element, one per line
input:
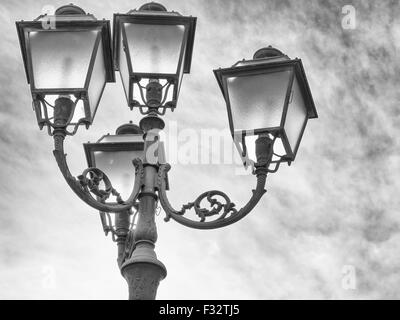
<point x="97" y="80"/>
<point x="296" y="115"/>
<point x="61" y="59"/>
<point x="257" y="101"/>
<point x="119" y="169"/>
<point x="179" y="78"/>
<point x="154" y="48"/>
<point x="123" y="69"/>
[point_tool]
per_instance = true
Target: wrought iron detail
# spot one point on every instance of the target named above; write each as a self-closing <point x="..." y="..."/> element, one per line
<point x="216" y="207"/>
<point x="90" y="180"/>
<point x="88" y="184"/>
<point x="154" y="96"/>
<point x="226" y="212"/>
<point x="40" y="105"/>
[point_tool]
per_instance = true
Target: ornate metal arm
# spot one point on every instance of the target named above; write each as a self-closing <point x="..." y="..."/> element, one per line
<point x="227" y="212"/>
<point x="88" y="183"/>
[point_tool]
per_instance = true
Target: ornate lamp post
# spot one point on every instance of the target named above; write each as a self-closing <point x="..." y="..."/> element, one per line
<point x="268" y="102"/>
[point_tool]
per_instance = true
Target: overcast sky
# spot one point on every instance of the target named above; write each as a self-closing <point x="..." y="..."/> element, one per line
<point x="334" y="213"/>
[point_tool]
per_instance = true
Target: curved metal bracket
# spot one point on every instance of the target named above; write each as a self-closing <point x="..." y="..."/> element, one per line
<point x="227" y="212"/>
<point x="89" y="182"/>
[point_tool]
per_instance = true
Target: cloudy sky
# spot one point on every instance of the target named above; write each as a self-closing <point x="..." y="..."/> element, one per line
<point x="332" y="215"/>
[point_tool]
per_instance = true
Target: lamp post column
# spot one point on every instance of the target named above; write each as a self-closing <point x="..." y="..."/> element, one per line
<point x="143" y="271"/>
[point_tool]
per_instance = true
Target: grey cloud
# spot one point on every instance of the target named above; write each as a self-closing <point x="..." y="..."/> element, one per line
<point x="336" y="205"/>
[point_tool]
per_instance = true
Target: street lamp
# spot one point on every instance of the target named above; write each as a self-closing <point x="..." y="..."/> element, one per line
<point x="71" y="58"/>
<point x="113" y="155"/>
<point x="152" y="50"/>
<point x="268" y="103"/>
<point x="268" y="95"/>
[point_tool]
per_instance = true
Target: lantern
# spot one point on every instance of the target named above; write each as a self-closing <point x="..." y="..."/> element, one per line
<point x="67" y="64"/>
<point x="152" y="46"/>
<point x="269" y="96"/>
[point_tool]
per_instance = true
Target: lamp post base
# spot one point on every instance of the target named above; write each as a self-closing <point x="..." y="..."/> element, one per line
<point x="143" y="272"/>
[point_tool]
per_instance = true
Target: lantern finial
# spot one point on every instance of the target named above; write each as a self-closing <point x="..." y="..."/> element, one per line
<point x="267" y="52"/>
<point x="128" y="128"/>
<point x="152" y="6"/>
<point x="69" y="9"/>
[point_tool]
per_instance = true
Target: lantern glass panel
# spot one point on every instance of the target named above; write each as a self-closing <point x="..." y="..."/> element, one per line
<point x="123" y="68"/>
<point x="257" y="101"/>
<point x="295" y="117"/>
<point x="117" y="165"/>
<point x="97" y="80"/>
<point x="177" y="86"/>
<point x="61" y="59"/>
<point x="154" y="48"/>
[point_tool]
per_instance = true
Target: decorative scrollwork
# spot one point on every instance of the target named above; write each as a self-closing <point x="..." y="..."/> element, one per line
<point x="217" y="208"/>
<point x="227" y="212"/>
<point x="89" y="182"/>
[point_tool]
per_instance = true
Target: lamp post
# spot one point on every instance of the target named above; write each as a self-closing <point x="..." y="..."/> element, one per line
<point x="268" y="103"/>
